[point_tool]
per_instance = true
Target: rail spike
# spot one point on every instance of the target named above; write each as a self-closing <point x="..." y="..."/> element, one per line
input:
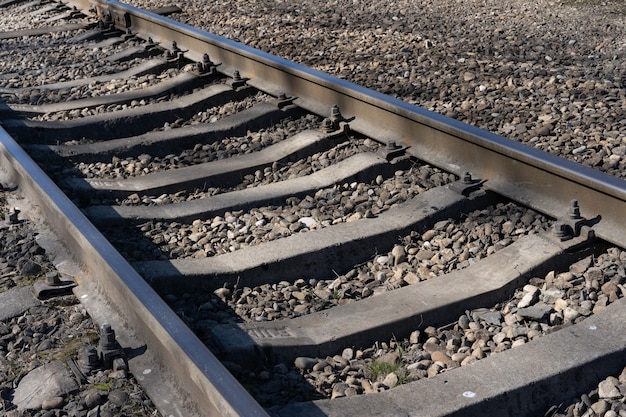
<point x="336" y="121"/>
<point x="393" y="151"/>
<point x="206" y="67"/>
<point x="237" y="81"/>
<point x="109" y="350"/>
<point x="467" y="185"/>
<point x="571" y="224"/>
<point x="175" y="54"/>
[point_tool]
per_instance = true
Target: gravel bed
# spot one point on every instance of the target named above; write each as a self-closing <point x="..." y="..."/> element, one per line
<point x="546" y="74"/>
<point x="37" y="96"/>
<point x="116" y="87"/>
<point x="50" y="332"/>
<point x="450" y="245"/>
<point x="202" y="153"/>
<point x="12" y="17"/>
<point x="340" y="203"/>
<point x="606" y="400"/>
<point x="541" y="307"/>
<point x="145" y="164"/>
<point x="41" y="57"/>
<point x="213" y="114"/>
<point x="145" y="246"/>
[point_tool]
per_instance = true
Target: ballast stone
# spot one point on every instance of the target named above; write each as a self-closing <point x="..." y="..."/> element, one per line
<point x="40" y="384"/>
<point x="16" y="301"/>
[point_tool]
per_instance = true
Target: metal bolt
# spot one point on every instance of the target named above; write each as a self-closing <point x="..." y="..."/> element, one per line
<point x="88" y="359"/>
<point x="236" y="76"/>
<point x="561" y="230"/>
<point x="327" y="125"/>
<point x="336" y="117"/>
<point x="175" y="53"/>
<point x="52" y="279"/>
<point x="204" y="66"/>
<point x="574" y="210"/>
<point x="335" y="114"/>
<point x="13" y="216"/>
<point x="467" y="178"/>
<point x="108" y="348"/>
<point x="391" y="145"/>
<point x="107" y="337"/>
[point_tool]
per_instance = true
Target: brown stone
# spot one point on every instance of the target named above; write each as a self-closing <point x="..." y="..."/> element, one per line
<point x="440" y="356"/>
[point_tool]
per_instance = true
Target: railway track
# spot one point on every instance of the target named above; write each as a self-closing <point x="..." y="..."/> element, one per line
<point x="267" y="235"/>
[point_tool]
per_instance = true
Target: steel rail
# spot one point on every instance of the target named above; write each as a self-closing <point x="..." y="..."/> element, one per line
<point x="191" y="381"/>
<point x="527" y="175"/>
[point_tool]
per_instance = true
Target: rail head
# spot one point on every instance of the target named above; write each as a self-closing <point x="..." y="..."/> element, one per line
<point x="527" y="175"/>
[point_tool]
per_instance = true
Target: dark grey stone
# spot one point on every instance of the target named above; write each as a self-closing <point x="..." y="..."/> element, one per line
<point x="16" y="301"/>
<point x="536" y="312"/>
<point x="492" y="317"/>
<point x="50" y="380"/>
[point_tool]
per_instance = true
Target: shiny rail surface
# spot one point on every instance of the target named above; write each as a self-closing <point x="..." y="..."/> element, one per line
<point x="204" y="386"/>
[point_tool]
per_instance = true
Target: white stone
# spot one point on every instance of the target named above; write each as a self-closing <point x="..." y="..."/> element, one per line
<point x="608" y="389"/>
<point x="308" y="221"/>
<point x="560" y="305"/>
<point x="527" y="300"/>
<point x="570" y="314"/>
<point x="347" y="354"/>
